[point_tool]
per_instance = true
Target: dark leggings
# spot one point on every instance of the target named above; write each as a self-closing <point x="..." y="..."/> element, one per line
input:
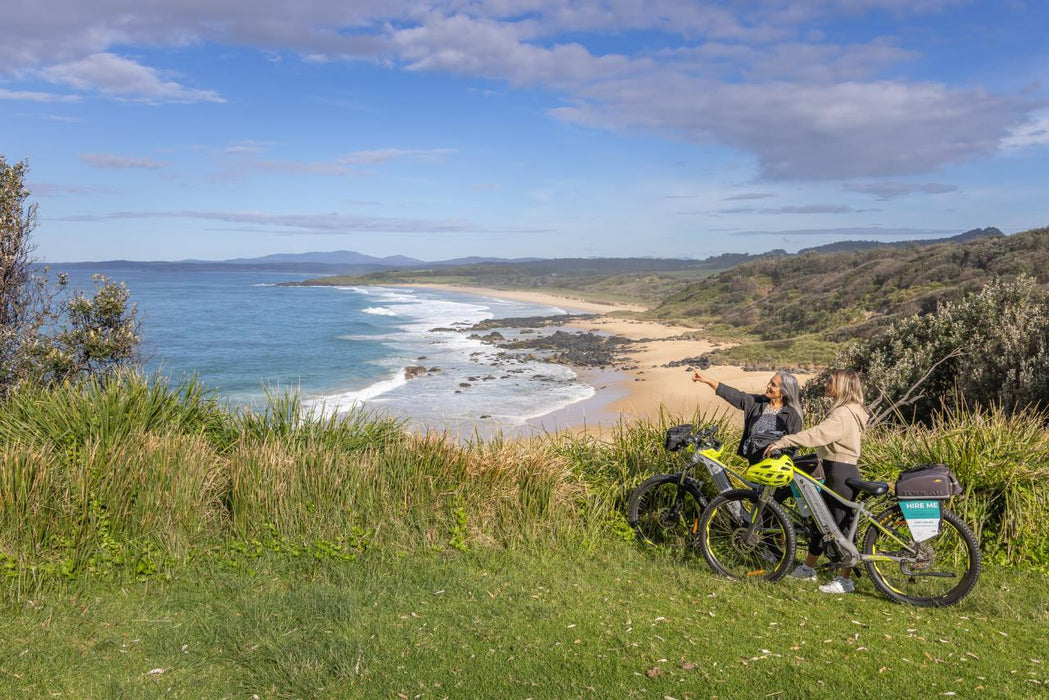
<point x="836" y="473"/>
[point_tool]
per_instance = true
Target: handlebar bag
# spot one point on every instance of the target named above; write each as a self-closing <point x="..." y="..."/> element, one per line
<point x="928" y="481"/>
<point x="677" y="437"/>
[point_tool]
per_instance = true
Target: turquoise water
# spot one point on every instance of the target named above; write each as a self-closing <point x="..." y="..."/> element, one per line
<point x="340" y="347"/>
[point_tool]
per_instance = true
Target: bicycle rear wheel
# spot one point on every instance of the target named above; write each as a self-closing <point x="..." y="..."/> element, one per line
<point x="665" y="512"/>
<point x="736" y="549"/>
<point x="941" y="572"/>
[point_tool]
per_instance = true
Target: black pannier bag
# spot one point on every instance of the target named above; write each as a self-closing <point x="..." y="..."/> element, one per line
<point x="677" y="437"/>
<point x="928" y="481"/>
<point x="756" y="443"/>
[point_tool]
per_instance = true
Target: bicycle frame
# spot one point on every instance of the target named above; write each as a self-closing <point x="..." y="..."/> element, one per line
<point x="810" y="491"/>
<point x="723" y="476"/>
<point x="720" y="473"/>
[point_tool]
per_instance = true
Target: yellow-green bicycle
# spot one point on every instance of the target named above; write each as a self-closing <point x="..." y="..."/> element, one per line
<point x="915" y="552"/>
<point x="664" y="510"/>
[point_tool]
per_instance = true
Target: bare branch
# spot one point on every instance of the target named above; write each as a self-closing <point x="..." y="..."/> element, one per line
<point x="908" y="398"/>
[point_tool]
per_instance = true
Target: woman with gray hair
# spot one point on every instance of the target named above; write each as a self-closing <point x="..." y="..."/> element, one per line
<point x="778" y="410"/>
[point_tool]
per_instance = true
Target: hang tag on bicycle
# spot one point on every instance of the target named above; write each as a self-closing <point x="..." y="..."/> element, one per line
<point x="923" y="518"/>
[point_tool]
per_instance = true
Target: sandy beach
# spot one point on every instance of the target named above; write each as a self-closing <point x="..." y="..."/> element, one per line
<point x="542" y="298"/>
<point x="643" y="386"/>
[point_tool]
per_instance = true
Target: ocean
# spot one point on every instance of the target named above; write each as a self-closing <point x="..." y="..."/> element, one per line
<point x="341" y="347"/>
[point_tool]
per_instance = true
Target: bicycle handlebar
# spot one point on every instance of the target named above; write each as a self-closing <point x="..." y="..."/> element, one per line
<point x="705" y="435"/>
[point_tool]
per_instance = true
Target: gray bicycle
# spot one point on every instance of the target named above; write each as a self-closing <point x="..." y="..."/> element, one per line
<point x="915" y="551"/>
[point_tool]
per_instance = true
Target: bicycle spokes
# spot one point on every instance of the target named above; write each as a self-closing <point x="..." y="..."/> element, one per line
<point x="939" y="570"/>
<point x="745" y="538"/>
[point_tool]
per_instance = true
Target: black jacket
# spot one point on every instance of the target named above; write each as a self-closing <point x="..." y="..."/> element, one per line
<point x="788" y="419"/>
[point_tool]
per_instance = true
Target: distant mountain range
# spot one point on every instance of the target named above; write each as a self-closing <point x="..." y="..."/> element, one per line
<point x="350" y="262"/>
<point x="326" y="263"/>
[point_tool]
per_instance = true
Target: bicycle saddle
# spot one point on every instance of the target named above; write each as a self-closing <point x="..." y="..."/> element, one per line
<point x="874" y="488"/>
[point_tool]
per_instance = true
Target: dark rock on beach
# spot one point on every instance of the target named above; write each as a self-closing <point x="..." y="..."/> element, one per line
<point x="530" y="321"/>
<point x="580" y="349"/>
<point x="493" y="337"/>
<point x="699" y="362"/>
<point x="414" y="371"/>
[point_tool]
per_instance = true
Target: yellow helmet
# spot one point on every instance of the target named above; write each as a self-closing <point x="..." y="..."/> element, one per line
<point x="775" y="471"/>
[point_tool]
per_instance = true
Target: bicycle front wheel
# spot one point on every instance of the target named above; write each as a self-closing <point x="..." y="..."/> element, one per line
<point x="742" y="537"/>
<point x="933" y="573"/>
<point x="665" y="512"/>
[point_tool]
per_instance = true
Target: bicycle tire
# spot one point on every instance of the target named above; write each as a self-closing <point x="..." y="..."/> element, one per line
<point x="724" y="527"/>
<point x="893" y="582"/>
<point x="658" y="516"/>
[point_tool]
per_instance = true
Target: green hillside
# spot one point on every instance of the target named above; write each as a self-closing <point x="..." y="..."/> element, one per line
<point x="842" y="295"/>
<point x="634" y="280"/>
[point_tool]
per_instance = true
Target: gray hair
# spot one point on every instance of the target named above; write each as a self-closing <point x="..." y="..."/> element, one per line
<point x="791" y="391"/>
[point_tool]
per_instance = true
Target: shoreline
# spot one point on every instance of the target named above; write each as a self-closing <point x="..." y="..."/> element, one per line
<point x="642" y="387"/>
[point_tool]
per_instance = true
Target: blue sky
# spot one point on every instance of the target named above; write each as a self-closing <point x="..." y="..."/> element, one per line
<point x="175" y="129"/>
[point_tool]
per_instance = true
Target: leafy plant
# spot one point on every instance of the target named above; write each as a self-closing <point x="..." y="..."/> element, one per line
<point x="49" y="333"/>
<point x="989" y="348"/>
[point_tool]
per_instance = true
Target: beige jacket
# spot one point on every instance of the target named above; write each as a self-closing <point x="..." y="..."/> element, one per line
<point x="837" y="438"/>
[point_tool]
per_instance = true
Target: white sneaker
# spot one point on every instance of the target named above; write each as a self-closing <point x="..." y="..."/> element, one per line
<point x="840" y="584"/>
<point x="803" y="572"/>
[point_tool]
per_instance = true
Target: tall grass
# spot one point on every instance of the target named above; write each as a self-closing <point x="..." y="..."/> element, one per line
<point x="92" y="475"/>
<point x="93" y="471"/>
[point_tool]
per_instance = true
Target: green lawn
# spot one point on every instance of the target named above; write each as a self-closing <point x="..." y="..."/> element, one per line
<point x="613" y="622"/>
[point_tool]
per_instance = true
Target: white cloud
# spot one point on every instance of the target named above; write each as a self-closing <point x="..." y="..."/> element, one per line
<point x="107" y="161"/>
<point x="383" y="155"/>
<point x="299" y="223"/>
<point x="857" y="232"/>
<point x="842" y="130"/>
<point x="50" y="189"/>
<point x="1034" y="132"/>
<point x="115" y="76"/>
<point x="244" y="161"/>
<point x="32" y="96"/>
<point x="748" y="195"/>
<point x="246" y="147"/>
<point x="891" y="190"/>
<point x="737" y="74"/>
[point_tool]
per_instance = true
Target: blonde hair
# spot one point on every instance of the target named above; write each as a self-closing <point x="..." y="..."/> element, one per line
<point x="843" y="385"/>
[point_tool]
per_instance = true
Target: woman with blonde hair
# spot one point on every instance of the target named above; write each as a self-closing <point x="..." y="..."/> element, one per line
<point x="837" y="443"/>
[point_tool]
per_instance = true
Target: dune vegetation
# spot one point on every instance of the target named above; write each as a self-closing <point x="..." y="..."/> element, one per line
<point x="129" y="473"/>
<point x="156" y="541"/>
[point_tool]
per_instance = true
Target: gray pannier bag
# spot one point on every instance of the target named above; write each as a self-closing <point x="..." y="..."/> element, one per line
<point x="929" y="482"/>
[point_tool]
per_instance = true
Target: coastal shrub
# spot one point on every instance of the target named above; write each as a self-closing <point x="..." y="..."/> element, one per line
<point x="49" y="333"/>
<point x="990" y="348"/>
<point x="840" y="295"/>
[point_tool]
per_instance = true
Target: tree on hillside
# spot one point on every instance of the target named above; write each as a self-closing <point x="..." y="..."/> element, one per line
<point x="992" y="347"/>
<point x="47" y="332"/>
